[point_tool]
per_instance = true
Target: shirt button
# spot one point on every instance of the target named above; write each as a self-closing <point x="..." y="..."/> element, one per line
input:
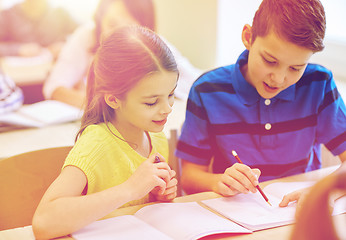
<point x="267" y="102"/>
<point x="268" y="126"/>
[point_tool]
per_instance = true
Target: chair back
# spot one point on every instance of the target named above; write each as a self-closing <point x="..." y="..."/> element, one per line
<point x="24" y="178"/>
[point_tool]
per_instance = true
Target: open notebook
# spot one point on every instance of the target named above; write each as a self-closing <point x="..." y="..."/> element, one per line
<point x="161" y="221"/>
<point x="252" y="212"/>
<point x="40" y="114"/>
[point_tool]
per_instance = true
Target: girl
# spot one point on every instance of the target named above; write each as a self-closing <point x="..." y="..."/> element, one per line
<point x="130" y="92"/>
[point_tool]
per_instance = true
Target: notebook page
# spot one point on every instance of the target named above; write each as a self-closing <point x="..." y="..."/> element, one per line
<point x="124" y="227"/>
<point x="252" y="211"/>
<point x="280" y="189"/>
<point x="190" y="220"/>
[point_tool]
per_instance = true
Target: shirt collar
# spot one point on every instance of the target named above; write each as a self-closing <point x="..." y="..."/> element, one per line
<point x="247" y="94"/>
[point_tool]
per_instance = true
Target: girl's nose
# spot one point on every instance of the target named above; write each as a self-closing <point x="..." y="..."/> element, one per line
<point x="167" y="107"/>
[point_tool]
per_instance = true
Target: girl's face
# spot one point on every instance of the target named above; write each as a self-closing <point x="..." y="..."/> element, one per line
<point x="116" y="16"/>
<point x="148" y="104"/>
<point x="274" y="64"/>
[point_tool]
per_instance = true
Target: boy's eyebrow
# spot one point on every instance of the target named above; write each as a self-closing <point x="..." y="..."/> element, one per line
<point x="296" y="65"/>
<point x="154" y="96"/>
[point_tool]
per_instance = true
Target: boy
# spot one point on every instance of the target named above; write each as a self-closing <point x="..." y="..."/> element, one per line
<point x="271" y="107"/>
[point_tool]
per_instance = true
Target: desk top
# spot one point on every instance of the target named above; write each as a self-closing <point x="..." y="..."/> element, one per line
<point x="30" y="139"/>
<point x="283" y="232"/>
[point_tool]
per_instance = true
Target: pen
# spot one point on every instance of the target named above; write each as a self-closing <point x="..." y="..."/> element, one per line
<point x="258" y="187"/>
<point x="157" y="159"/>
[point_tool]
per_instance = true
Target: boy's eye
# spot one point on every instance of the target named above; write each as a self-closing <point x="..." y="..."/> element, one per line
<point x="295" y="69"/>
<point x="269" y="62"/>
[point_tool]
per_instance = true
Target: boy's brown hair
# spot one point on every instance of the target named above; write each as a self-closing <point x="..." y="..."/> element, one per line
<point x="301" y="22"/>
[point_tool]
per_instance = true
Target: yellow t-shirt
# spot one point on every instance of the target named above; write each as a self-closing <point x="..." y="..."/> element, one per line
<point x="108" y="161"/>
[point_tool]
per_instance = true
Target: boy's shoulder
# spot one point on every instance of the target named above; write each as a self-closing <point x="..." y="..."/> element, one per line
<point x="313" y="68"/>
<point x="315" y="72"/>
<point x="216" y="75"/>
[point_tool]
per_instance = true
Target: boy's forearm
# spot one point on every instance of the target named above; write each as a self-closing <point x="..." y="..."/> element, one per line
<point x="194" y="180"/>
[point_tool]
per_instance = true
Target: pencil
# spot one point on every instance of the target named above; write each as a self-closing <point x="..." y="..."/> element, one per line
<point x="258" y="187"/>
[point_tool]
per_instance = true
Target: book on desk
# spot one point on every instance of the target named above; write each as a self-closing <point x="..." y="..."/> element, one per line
<point x="39" y="114"/>
<point x="243" y="213"/>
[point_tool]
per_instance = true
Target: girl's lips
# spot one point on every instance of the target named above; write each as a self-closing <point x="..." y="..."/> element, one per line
<point x="162" y="122"/>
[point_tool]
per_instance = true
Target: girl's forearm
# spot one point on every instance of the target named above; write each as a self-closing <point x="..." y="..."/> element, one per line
<point x="66" y="215"/>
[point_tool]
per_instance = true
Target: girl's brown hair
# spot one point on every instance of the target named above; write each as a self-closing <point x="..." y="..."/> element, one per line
<point x="124" y="58"/>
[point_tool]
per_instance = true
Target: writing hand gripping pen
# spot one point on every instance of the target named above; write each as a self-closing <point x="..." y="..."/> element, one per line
<point x="258" y="187"/>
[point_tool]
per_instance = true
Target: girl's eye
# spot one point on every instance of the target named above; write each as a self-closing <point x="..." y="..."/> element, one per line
<point x="150" y="104"/>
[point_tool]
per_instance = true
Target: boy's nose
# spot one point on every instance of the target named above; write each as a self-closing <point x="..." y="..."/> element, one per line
<point x="278" y="77"/>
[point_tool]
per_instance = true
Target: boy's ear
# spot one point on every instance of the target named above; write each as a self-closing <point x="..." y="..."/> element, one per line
<point x="246" y="36"/>
<point x="112" y="101"/>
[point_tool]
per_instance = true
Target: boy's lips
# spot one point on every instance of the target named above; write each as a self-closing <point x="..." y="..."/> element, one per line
<point x="269" y="88"/>
<point x="162" y="122"/>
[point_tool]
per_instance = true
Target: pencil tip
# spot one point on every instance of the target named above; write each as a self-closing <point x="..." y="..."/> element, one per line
<point x="234" y="153"/>
<point x="269" y="203"/>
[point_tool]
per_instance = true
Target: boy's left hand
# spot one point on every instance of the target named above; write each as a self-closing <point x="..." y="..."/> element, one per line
<point x="297" y="196"/>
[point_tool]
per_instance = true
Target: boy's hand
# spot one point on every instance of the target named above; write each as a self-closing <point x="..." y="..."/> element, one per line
<point x="238" y="178"/>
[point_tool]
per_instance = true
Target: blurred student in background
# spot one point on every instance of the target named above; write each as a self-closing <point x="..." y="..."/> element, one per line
<point x="66" y="82"/>
<point x="32" y="25"/>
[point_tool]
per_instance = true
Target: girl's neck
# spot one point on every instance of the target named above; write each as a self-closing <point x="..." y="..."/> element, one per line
<point x="137" y="138"/>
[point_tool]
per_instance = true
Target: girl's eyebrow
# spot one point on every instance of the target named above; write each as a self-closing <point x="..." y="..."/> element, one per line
<point x="155" y="96"/>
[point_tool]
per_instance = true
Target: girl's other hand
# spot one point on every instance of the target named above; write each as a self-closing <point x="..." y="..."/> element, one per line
<point x="171" y="189"/>
<point x="148" y="176"/>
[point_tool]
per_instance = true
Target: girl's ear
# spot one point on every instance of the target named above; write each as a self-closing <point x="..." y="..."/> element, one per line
<point x="112" y="101"/>
<point x="246" y="36"/>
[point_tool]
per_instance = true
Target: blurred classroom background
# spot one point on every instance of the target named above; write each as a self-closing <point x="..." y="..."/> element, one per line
<point x="208" y="32"/>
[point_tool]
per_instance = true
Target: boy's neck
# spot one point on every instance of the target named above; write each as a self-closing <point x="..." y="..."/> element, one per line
<point x="244" y="70"/>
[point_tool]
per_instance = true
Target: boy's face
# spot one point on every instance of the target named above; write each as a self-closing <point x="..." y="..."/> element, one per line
<point x="274" y="64"/>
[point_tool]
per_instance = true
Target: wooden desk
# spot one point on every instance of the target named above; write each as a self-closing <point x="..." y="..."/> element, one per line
<point x="281" y="233"/>
<point x="25" y="140"/>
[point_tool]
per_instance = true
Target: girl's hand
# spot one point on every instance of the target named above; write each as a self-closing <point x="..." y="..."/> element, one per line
<point x="148" y="176"/>
<point x="239" y="178"/>
<point x="171" y="189"/>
